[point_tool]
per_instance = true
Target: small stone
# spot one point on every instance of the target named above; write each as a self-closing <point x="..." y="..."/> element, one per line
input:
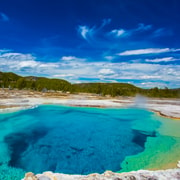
<point x="178" y="164"/>
<point x="50" y="175"/>
<point x="108" y="173"/>
<point x="44" y="178"/>
<point x="30" y="176"/>
<point x="129" y="177"/>
<point x="117" y="178"/>
<point x="132" y="178"/>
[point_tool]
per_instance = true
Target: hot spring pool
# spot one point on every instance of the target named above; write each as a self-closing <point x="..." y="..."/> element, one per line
<point x="78" y="140"/>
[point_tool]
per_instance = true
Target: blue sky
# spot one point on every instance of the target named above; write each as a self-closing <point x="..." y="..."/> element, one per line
<point x="133" y="41"/>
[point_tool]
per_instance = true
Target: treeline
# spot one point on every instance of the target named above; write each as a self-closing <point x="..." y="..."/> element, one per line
<point x="112" y="89"/>
<point x="14" y="81"/>
<point x="124" y="89"/>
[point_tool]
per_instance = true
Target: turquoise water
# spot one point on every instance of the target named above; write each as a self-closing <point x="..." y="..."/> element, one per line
<point x="76" y="140"/>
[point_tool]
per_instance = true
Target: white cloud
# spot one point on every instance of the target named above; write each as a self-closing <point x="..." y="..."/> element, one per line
<point x="48" y="65"/>
<point x="89" y="33"/>
<point x="175" y="50"/>
<point x="63" y="75"/>
<point x="4" y="17"/>
<point x="165" y="59"/>
<point x="16" y="56"/>
<point x="106" y="71"/>
<point x="29" y="64"/>
<point x="73" y="71"/>
<point x="150" y="77"/>
<point x="147" y="51"/>
<point x="130" y="32"/>
<point x="71" y="58"/>
<point x="109" y="57"/>
<point x="118" y="32"/>
<point x="84" y="31"/>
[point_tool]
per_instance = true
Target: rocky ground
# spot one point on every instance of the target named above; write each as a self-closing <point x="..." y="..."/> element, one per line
<point x="170" y="174"/>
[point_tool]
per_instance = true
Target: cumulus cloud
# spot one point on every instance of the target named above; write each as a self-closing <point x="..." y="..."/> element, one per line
<point x="29" y="64"/>
<point x="3" y="17"/>
<point x="22" y="63"/>
<point x="11" y="61"/>
<point x="76" y="70"/>
<point x="106" y="71"/>
<point x="147" y="51"/>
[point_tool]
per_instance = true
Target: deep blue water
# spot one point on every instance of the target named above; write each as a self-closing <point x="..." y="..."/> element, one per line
<point x="73" y="140"/>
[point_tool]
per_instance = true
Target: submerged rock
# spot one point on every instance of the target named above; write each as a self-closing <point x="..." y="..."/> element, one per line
<point x="170" y="174"/>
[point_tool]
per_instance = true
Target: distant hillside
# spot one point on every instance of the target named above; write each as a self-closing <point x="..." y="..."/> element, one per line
<point x="113" y="89"/>
<point x="11" y="81"/>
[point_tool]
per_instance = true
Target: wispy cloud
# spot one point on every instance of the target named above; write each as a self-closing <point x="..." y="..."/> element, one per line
<point x="5" y="50"/>
<point x="71" y="58"/>
<point x="143" y="27"/>
<point x="16" y="56"/>
<point x="89" y="33"/>
<point x="118" y="32"/>
<point x="105" y="22"/>
<point x="130" y="32"/>
<point x="162" y="32"/>
<point x="147" y="51"/>
<point x="143" y="35"/>
<point x="85" y="31"/>
<point x="164" y="59"/>
<point x="109" y="57"/>
<point x="4" y="17"/>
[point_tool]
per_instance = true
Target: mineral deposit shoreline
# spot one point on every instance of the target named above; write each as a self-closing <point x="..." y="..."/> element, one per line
<point x="13" y="100"/>
<point x="169" y="174"/>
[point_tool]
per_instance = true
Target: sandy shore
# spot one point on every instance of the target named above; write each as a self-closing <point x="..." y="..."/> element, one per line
<point x="12" y="100"/>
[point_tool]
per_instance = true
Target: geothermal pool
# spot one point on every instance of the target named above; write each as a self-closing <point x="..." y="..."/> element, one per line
<point x="79" y="140"/>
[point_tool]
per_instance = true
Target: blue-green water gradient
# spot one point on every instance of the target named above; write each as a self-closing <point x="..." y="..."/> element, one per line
<point x="74" y="140"/>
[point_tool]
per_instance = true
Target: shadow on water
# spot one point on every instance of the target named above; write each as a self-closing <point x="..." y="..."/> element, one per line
<point x="140" y="137"/>
<point x="19" y="142"/>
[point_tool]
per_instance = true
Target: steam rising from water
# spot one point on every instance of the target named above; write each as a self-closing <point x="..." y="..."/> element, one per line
<point x="140" y="101"/>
